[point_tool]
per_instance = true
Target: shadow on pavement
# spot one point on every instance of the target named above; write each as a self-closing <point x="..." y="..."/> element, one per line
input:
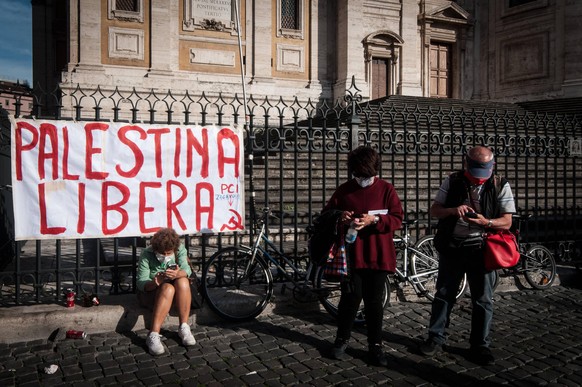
<point x="570" y="276"/>
<point x="404" y="359"/>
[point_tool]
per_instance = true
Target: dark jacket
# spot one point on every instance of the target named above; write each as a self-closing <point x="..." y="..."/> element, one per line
<point x="457" y="195"/>
<point x="323" y="234"/>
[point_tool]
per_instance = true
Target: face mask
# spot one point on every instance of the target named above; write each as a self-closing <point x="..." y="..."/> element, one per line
<point x="364" y="181"/>
<point x="474" y="180"/>
<point x="164" y="258"/>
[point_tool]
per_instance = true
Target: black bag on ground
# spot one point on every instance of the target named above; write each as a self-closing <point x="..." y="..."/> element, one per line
<point x="196" y="290"/>
<point x="195" y="287"/>
<point x="322" y="234"/>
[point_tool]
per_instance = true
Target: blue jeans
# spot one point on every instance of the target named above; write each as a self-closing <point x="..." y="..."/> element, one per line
<point x="452" y="265"/>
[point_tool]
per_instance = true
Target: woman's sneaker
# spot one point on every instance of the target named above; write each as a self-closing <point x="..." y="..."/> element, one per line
<point x="186" y="335"/>
<point x="377" y="356"/>
<point x="154" y="344"/>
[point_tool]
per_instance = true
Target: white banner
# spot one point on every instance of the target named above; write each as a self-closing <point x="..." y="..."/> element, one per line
<point x="103" y="179"/>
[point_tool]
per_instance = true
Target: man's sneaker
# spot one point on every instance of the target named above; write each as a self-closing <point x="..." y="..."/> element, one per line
<point x="481" y="356"/>
<point x="430" y="347"/>
<point x="377" y="355"/>
<point x="186" y="335"/>
<point x="338" y="351"/>
<point x="154" y="344"/>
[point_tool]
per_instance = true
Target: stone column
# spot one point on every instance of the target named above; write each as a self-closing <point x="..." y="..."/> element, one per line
<point x="350" y="50"/>
<point x="411" y="58"/>
<point x="164" y="49"/>
<point x="262" y="42"/>
<point x="90" y="35"/>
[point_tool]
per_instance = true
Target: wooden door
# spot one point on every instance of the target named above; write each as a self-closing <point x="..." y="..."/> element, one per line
<point x="380" y="77"/>
<point x="440" y="70"/>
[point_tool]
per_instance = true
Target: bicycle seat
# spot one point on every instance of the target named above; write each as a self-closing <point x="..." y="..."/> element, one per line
<point x="409" y="222"/>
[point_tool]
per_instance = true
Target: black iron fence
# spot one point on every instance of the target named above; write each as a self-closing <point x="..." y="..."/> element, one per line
<point x="296" y="155"/>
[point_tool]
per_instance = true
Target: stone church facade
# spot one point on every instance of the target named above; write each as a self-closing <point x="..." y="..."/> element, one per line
<point x="501" y="50"/>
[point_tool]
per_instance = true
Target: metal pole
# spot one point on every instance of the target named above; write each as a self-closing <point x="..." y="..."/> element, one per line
<point x="242" y="67"/>
<point x="250" y="155"/>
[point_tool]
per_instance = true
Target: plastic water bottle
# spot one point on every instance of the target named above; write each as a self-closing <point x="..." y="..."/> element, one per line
<point x="351" y="234"/>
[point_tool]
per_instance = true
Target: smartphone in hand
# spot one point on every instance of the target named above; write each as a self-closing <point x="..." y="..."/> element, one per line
<point x="172" y="267"/>
<point x="471" y="215"/>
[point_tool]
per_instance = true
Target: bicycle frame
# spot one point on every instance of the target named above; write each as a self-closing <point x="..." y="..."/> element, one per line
<point x="263" y="240"/>
<point x="403" y="275"/>
<point x="422" y="260"/>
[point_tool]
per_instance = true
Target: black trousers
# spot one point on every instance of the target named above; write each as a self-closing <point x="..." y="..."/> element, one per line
<point x="368" y="285"/>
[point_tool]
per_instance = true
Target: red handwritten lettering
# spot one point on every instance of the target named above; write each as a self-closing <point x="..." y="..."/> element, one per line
<point x="224" y="135"/>
<point x="177" y="155"/>
<point x="143" y="208"/>
<point x="44" y="228"/>
<point x="137" y="153"/>
<point x="118" y="207"/>
<point x="202" y="149"/>
<point x="48" y="131"/>
<point x="90" y="150"/>
<point x="20" y="147"/>
<point x="81" y="218"/>
<point x="66" y="175"/>
<point x="158" y="147"/>
<point x="172" y="204"/>
<point x="208" y="209"/>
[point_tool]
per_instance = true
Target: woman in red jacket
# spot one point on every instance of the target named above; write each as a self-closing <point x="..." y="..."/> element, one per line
<point x="374" y="208"/>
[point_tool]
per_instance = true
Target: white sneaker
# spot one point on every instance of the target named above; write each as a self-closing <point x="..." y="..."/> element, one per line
<point x="154" y="344"/>
<point x="186" y="335"/>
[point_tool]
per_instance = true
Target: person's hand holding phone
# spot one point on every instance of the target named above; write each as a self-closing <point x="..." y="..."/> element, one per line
<point x="474" y="218"/>
<point x="171" y="272"/>
<point x="159" y="278"/>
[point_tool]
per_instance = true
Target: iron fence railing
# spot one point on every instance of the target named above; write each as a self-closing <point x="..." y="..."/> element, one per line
<point x="295" y="157"/>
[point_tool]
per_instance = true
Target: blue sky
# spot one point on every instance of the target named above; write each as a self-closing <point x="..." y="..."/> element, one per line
<point x="16" y="40"/>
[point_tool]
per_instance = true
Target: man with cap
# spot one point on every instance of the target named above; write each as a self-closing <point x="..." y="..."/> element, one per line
<point x="468" y="203"/>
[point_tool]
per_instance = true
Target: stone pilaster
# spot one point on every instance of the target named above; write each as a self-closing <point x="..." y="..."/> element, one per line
<point x="350" y="51"/>
<point x="90" y="35"/>
<point x="164" y="32"/>
<point x="410" y="62"/>
<point x="263" y="42"/>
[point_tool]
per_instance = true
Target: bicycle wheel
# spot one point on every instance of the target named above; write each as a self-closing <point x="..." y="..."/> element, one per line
<point x="425" y="264"/>
<point x="235" y="288"/>
<point x="539" y="267"/>
<point x="328" y="289"/>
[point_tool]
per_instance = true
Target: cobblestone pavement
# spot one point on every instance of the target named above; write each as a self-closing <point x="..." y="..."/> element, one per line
<point x="537" y="340"/>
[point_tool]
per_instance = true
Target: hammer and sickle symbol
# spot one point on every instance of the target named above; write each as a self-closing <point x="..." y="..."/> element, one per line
<point x="234" y="223"/>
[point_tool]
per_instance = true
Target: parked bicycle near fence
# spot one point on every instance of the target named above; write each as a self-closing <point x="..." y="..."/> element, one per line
<point x="536" y="262"/>
<point x="419" y="263"/>
<point x="238" y="281"/>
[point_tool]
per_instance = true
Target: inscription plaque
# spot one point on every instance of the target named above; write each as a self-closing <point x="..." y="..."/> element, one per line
<point x="219" y="10"/>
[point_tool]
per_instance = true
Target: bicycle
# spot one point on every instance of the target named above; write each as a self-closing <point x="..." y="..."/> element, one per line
<point x="536" y="263"/>
<point x="237" y="281"/>
<point x="423" y="259"/>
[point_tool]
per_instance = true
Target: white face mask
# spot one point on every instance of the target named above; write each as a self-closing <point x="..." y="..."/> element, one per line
<point x="164" y="258"/>
<point x="364" y="181"/>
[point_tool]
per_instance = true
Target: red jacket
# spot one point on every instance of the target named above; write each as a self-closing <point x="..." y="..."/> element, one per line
<point x="374" y="246"/>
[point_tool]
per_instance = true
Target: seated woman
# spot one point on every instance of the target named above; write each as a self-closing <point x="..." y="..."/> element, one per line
<point x="162" y="281"/>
